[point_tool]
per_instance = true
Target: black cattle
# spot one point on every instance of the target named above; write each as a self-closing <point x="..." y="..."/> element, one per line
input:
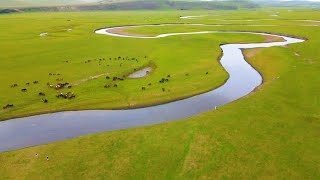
<point x="106" y="86"/>
<point x="44" y="100"/>
<point x="35" y="82"/>
<point x="27" y="84"/>
<point x="41" y="94"/>
<point x="72" y="96"/>
<point x="169" y="76"/>
<point x="115" y="85"/>
<point x="207" y="73"/>
<point x="187" y="74"/>
<point x="163" y="89"/>
<point x="24" y="90"/>
<point x="107" y="77"/>
<point x="61" y="95"/>
<point x="69" y="95"/>
<point x="143" y="88"/>
<point x="8" y="106"/>
<point x="14" y="85"/>
<point x="149" y="84"/>
<point x="61" y="85"/>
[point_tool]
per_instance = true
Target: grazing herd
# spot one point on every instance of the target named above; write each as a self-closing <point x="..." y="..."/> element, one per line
<point x="70" y="95"/>
<point x="58" y="86"/>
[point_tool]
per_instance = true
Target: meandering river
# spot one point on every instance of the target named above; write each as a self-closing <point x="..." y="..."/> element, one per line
<point x="41" y="129"/>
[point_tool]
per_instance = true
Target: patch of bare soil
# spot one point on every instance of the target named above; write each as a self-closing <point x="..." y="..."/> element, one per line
<point x="250" y="53"/>
<point x="122" y="31"/>
<point x="273" y="39"/>
<point x="87" y="79"/>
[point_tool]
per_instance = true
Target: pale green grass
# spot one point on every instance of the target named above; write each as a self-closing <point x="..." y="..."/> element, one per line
<point x="272" y="133"/>
<point x="31" y="58"/>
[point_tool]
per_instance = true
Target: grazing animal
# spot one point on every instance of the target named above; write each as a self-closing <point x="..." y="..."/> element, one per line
<point x="207" y="73"/>
<point x="69" y="86"/>
<point x="143" y="88"/>
<point x="8" y="106"/>
<point x="14" y="85"/>
<point x="35" y="82"/>
<point x="163" y="89"/>
<point x="60" y="85"/>
<point x="27" y="84"/>
<point x="187" y="74"/>
<point x="115" y="85"/>
<point x="44" y="100"/>
<point x="41" y="94"/>
<point x="106" y="86"/>
<point x="149" y="84"/>
<point x="69" y="95"/>
<point x="169" y="76"/>
<point x="24" y="90"/>
<point x="107" y="77"/>
<point x="60" y="95"/>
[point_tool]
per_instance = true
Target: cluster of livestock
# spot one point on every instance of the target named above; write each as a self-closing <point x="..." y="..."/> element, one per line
<point x="68" y="95"/>
<point x="58" y="86"/>
<point x="115" y="58"/>
<point x="71" y="95"/>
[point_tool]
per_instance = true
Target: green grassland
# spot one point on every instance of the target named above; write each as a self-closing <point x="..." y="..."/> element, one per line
<point x="272" y="133"/>
<point x="30" y="57"/>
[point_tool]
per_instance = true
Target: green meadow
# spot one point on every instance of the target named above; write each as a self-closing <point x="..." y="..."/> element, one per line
<point x="273" y="133"/>
<point x="72" y="50"/>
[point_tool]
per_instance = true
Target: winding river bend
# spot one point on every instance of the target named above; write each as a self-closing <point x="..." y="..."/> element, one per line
<point x="41" y="129"/>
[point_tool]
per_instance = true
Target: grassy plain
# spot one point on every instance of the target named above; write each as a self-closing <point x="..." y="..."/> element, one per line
<point x="30" y="57"/>
<point x="272" y="133"/>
